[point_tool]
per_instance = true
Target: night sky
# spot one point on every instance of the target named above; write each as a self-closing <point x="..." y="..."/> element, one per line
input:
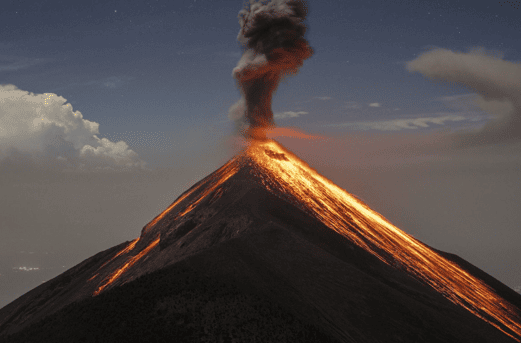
<point x="109" y="110"/>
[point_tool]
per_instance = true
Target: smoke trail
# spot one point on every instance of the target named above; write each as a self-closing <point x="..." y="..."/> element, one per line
<point x="272" y="34"/>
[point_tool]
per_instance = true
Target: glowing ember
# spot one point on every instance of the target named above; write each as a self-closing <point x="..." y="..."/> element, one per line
<point x="286" y="175"/>
<point x="116" y="274"/>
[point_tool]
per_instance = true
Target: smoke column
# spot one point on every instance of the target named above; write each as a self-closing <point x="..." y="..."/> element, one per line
<point x="272" y="34"/>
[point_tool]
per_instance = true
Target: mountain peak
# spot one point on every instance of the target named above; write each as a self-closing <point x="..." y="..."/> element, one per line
<point x="267" y="189"/>
<point x="268" y="164"/>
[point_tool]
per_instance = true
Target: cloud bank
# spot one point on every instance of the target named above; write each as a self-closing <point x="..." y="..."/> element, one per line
<point x="497" y="83"/>
<point x="44" y="131"/>
<point x="13" y="63"/>
<point x="403" y="124"/>
<point x="289" y="114"/>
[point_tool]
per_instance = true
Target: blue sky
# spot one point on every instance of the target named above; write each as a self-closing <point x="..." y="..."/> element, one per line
<point x="157" y="76"/>
<point x="165" y="66"/>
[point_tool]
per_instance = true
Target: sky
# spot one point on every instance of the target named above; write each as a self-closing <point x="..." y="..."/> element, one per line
<point x="109" y="110"/>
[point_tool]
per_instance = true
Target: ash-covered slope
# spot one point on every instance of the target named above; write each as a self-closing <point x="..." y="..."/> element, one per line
<point x="271" y="225"/>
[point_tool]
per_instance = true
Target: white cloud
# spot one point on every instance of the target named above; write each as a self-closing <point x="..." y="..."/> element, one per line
<point x="289" y="114"/>
<point x="11" y="63"/>
<point x="45" y="129"/>
<point x="111" y="82"/>
<point x="403" y="124"/>
<point x="323" y="97"/>
<point x="353" y="105"/>
<point x="157" y="141"/>
<point x="26" y="269"/>
<point x="374" y="104"/>
<point x="496" y="82"/>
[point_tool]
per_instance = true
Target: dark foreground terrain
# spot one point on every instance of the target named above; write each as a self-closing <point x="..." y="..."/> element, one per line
<point x="203" y="299"/>
<point x="176" y="303"/>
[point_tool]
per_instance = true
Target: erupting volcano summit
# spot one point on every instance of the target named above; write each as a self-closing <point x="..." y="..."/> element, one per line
<point x="265" y="249"/>
<point x="272" y="226"/>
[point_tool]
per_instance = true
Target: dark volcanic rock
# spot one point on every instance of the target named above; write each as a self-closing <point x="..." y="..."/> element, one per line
<point x="177" y="303"/>
<point x="53" y="295"/>
<point x="232" y="260"/>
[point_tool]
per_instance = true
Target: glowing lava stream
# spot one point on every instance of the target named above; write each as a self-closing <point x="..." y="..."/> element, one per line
<point x="117" y="273"/>
<point x="286" y="175"/>
<point x="220" y="176"/>
<point x="339" y="210"/>
<point x="125" y="250"/>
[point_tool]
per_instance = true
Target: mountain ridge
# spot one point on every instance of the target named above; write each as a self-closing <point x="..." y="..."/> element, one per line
<point x="243" y="202"/>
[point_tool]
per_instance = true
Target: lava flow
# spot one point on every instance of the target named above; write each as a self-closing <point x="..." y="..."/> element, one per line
<point x="219" y="177"/>
<point x="208" y="187"/>
<point x="284" y="173"/>
<point x="131" y="261"/>
<point x="290" y="178"/>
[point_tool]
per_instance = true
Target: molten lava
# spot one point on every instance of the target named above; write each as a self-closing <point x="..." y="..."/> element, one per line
<point x="288" y="177"/>
<point x="221" y="175"/>
<point x="284" y="173"/>
<point x="131" y="261"/>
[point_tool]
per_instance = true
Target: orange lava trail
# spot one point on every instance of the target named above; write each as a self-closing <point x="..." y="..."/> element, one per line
<point x="353" y="219"/>
<point x="125" y="250"/>
<point x="165" y="212"/>
<point x="223" y="174"/>
<point x="117" y="273"/>
<point x="209" y="185"/>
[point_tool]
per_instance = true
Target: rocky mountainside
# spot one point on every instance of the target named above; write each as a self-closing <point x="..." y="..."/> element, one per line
<point x="250" y="242"/>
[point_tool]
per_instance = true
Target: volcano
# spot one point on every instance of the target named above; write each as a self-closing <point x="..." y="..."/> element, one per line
<point x="267" y="249"/>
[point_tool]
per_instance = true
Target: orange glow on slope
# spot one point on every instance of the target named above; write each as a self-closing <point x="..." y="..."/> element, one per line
<point x="221" y="175"/>
<point x="290" y="132"/>
<point x="208" y="185"/>
<point x="125" y="250"/>
<point x="165" y="212"/>
<point x="285" y="174"/>
<point x="116" y="274"/>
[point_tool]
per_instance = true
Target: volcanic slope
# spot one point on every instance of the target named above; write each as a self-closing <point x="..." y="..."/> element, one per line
<point x="276" y="230"/>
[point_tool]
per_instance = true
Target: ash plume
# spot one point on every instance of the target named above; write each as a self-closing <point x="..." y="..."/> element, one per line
<point x="272" y="35"/>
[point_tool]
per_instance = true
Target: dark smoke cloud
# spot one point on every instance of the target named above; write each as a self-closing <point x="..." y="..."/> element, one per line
<point x="272" y="34"/>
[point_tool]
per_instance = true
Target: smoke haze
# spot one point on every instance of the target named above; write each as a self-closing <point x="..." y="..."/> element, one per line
<point x="272" y="35"/>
